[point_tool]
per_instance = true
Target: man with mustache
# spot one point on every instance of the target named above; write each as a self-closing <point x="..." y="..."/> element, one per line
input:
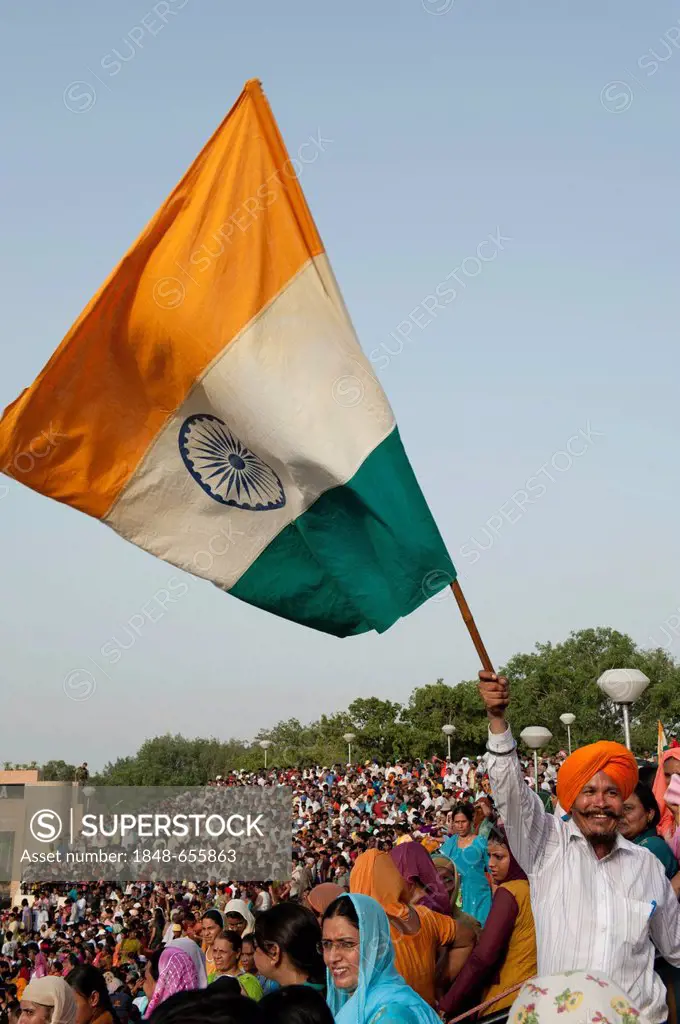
<point x="600" y="903"/>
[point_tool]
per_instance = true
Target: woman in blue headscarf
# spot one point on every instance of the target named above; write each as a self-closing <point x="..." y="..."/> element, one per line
<point x="363" y="986"/>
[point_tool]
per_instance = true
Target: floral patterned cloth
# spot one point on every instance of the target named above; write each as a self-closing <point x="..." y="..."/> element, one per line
<point x="574" y="997"/>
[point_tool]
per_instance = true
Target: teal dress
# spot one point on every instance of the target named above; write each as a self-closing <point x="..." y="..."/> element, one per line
<point x="471" y="862"/>
<point x="656" y="845"/>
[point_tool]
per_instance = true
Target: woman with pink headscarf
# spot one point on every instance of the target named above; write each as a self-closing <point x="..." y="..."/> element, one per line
<point x="41" y="967"/>
<point x="669" y="765"/>
<point x="181" y="968"/>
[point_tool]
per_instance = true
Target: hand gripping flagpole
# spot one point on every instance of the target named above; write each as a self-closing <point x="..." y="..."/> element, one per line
<point x="472" y="627"/>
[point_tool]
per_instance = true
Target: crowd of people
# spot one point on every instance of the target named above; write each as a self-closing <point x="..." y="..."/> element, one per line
<point x="419" y="892"/>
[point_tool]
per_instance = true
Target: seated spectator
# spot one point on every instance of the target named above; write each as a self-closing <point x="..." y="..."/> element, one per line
<point x="48" y="1001"/>
<point x="286" y="946"/>
<point x="505" y="954"/>
<point x="417" y="869"/>
<point x="227" y="954"/>
<point x="238" y="918"/>
<point x="248" y="965"/>
<point x="363" y="985"/>
<point x="320" y="898"/>
<point x="177" y="972"/>
<point x="430" y="948"/>
<point x="92" y="996"/>
<point x="641" y="818"/>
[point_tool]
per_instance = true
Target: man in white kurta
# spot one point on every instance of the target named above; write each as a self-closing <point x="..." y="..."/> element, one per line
<point x="600" y="903"/>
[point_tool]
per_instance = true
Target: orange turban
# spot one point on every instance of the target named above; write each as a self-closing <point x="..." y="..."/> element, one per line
<point x="612" y="758"/>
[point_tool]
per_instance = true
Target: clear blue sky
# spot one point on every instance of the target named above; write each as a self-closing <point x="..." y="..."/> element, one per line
<point x="448" y="121"/>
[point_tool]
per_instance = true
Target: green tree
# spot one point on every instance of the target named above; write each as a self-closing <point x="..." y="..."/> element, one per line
<point x="290" y="741"/>
<point x="174" y="761"/>
<point x="563" y="677"/>
<point x="329" y="747"/>
<point x="57" y="771"/>
<point x="551" y="679"/>
<point x="379" y="729"/>
<point x="436" y="704"/>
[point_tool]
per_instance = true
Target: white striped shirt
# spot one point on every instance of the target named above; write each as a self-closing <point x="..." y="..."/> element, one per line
<point x="599" y="915"/>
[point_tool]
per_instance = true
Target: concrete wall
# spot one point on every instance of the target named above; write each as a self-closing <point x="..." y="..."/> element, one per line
<point x="12" y="814"/>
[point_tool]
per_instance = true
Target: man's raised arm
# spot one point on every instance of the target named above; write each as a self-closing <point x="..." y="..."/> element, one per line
<point x="531" y="832"/>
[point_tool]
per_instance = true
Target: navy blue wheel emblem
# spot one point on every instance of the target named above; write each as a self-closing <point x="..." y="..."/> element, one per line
<point x="225" y="469"/>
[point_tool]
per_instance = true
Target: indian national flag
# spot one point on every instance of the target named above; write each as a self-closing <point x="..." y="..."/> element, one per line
<point x="213" y="406"/>
<point x="662" y="742"/>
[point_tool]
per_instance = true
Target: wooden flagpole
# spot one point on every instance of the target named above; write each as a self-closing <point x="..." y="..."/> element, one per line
<point x="489" y="1002"/>
<point x="472" y="627"/>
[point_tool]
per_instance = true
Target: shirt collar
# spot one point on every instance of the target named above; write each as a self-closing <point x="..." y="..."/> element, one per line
<point x="621" y="845"/>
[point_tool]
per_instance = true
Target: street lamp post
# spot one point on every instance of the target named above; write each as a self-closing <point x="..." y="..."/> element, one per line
<point x="349" y="738"/>
<point x="88" y="791"/>
<point x="623" y="686"/>
<point x="568" y="719"/>
<point x="265" y="744"/>
<point x="535" y="737"/>
<point x="448" y="731"/>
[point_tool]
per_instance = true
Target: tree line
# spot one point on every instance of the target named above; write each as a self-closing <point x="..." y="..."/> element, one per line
<point x="545" y="683"/>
